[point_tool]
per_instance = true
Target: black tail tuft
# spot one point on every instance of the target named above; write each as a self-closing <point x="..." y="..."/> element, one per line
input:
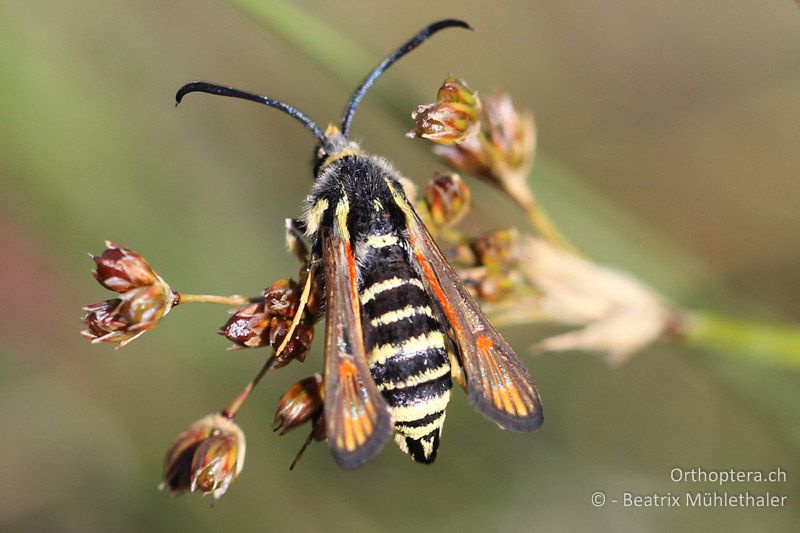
<point x="424" y="450"/>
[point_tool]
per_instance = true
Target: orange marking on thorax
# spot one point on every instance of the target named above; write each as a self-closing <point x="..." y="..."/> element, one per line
<point x="484" y="342"/>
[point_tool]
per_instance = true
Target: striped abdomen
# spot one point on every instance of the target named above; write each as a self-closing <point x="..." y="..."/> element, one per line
<point x="405" y="344"/>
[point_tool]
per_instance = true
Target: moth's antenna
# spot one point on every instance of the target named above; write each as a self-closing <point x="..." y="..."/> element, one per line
<point x="211" y="88"/>
<point x="414" y="42"/>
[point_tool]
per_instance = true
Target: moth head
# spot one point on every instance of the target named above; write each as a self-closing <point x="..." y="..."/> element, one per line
<point x="337" y="146"/>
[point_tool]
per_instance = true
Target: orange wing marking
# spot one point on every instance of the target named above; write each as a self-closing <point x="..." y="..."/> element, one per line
<point x="484" y="342"/>
<point x="440" y="296"/>
<point x="351" y="268"/>
<point x="505" y="395"/>
<point x="357" y="425"/>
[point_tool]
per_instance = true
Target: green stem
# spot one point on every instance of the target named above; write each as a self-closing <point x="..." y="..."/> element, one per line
<point x="233" y="408"/>
<point x="771" y="343"/>
<point x="545" y="226"/>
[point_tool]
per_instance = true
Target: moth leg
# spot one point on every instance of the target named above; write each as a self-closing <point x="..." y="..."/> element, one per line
<point x="298" y="315"/>
<point x="295" y="242"/>
<point x="317" y="434"/>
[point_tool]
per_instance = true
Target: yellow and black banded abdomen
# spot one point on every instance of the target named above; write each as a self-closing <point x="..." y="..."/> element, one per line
<point x="407" y="350"/>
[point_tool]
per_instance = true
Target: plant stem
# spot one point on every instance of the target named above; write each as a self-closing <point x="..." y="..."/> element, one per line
<point x="772" y="343"/>
<point x="230" y="411"/>
<point x="233" y="301"/>
<point x="548" y="229"/>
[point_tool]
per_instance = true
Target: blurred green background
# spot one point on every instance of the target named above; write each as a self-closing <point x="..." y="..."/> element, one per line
<point x="669" y="137"/>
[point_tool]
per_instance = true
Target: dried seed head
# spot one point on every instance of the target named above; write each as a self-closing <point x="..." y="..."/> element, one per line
<point x="488" y="265"/>
<point x="444" y="122"/>
<point x="125" y="318"/>
<point x="502" y="153"/>
<point x="246" y="326"/>
<point x="268" y="322"/>
<point x="456" y="90"/>
<point x="494" y="286"/>
<point x="497" y="250"/>
<point x="206" y="457"/>
<point x="301" y="403"/>
<point x="461" y="255"/>
<point x="619" y="314"/>
<point x="121" y="269"/>
<point x="297" y="346"/>
<point x="281" y="298"/>
<point x="214" y="464"/>
<point x="281" y="303"/>
<point x="511" y="133"/>
<point x="145" y="297"/>
<point x="454" y="118"/>
<point x="448" y="199"/>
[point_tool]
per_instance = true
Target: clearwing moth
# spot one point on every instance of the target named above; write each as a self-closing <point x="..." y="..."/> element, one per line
<point x="400" y="324"/>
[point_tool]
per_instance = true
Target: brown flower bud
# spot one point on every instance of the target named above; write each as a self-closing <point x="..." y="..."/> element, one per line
<point x="281" y="301"/>
<point x="206" y="457"/>
<point x="494" y="287"/>
<point x="145" y="298"/>
<point x="246" y="326"/>
<point x="502" y="153"/>
<point x="445" y="122"/>
<point x="214" y="464"/>
<point x="125" y="318"/>
<point x="281" y="298"/>
<point x="461" y="255"/>
<point x="493" y="273"/>
<point x="301" y="403"/>
<point x="448" y="199"/>
<point x="497" y="250"/>
<point x="297" y="346"/>
<point x="268" y="323"/>
<point x="512" y="134"/>
<point x="121" y="269"/>
<point x="456" y="90"/>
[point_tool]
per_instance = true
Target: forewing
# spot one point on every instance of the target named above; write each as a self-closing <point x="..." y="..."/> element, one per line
<point x="498" y="384"/>
<point x="358" y="421"/>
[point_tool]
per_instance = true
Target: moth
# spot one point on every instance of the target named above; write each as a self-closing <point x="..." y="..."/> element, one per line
<point x="400" y="326"/>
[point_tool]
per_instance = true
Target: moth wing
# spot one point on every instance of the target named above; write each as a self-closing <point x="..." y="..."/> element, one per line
<point x="358" y="420"/>
<point x="498" y="384"/>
